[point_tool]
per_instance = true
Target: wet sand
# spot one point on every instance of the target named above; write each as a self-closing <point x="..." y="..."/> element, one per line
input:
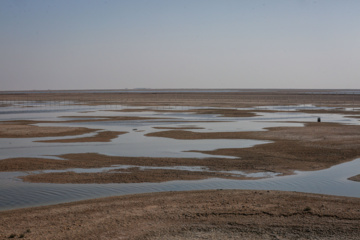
<point x="16" y="130"/>
<point x="355" y="178"/>
<point x="201" y="214"/>
<point x="105" y="136"/>
<point x="312" y="147"/>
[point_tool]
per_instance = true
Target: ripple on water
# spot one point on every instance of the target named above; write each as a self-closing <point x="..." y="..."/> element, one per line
<point x="332" y="181"/>
<point x="16" y="194"/>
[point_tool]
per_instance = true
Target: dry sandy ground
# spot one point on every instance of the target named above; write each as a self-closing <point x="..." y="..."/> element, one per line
<point x="217" y="214"/>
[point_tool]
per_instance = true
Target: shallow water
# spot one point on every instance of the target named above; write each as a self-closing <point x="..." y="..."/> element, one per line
<point x="132" y="144"/>
<point x="16" y="194"/>
<point x="332" y="181"/>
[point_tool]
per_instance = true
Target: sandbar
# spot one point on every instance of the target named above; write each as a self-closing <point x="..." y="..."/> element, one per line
<point x="30" y="131"/>
<point x="216" y="214"/>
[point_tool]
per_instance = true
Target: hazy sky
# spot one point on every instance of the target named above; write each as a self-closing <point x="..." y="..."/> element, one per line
<point x="94" y="44"/>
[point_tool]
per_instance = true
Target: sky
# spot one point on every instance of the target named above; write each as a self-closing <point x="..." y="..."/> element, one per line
<point x="118" y="44"/>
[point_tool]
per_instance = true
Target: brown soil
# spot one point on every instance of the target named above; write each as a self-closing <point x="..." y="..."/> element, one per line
<point x="355" y="178"/>
<point x="93" y="160"/>
<point x="222" y="112"/>
<point x="105" y="136"/>
<point x="105" y="118"/>
<point x="244" y="98"/>
<point x="29" y="131"/>
<point x="226" y="112"/>
<point x="217" y="214"/>
<point x="131" y="175"/>
<point x="313" y="147"/>
<point x="83" y="119"/>
<point x="178" y="127"/>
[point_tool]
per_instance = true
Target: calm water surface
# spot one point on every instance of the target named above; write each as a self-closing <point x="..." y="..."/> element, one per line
<point x="16" y="194"/>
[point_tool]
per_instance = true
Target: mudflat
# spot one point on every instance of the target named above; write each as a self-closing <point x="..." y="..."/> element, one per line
<point x="355" y="178"/>
<point x="16" y="130"/>
<point x="217" y="214"/>
<point x="312" y="147"/>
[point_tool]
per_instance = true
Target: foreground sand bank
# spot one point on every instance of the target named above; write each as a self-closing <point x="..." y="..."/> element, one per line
<point x="217" y="214"/>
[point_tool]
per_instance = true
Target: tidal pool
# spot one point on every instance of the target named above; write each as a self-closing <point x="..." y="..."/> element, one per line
<point x="16" y="194"/>
<point x="332" y="181"/>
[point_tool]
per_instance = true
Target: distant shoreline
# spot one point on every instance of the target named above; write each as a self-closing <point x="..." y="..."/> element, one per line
<point x="191" y="90"/>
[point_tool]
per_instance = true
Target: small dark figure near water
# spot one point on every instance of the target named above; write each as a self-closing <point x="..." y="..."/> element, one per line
<point x="319" y="119"/>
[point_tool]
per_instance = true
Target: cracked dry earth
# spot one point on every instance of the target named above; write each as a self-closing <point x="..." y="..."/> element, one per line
<point x="215" y="214"/>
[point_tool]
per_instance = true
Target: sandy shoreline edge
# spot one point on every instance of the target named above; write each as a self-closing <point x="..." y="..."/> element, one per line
<point x="211" y="214"/>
